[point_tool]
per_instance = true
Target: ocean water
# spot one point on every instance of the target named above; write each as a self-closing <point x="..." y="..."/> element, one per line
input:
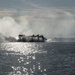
<point x="57" y="58"/>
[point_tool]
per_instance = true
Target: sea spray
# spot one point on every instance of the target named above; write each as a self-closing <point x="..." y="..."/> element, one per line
<point x="52" y="23"/>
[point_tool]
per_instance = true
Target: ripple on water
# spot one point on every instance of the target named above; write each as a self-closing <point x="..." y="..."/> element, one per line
<point x="22" y="58"/>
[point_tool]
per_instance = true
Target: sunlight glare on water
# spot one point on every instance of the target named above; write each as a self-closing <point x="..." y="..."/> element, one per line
<point x="23" y="58"/>
<point x="22" y="48"/>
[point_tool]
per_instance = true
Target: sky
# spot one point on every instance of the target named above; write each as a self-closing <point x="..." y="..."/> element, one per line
<point x="51" y="18"/>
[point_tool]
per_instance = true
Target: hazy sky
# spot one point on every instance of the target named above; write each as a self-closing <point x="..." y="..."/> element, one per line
<point x="52" y="18"/>
<point x="25" y="4"/>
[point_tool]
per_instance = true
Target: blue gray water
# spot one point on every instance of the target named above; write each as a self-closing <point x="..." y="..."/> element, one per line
<point x="56" y="58"/>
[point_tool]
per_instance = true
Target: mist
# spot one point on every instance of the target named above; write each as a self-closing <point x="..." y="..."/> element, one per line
<point x="51" y="23"/>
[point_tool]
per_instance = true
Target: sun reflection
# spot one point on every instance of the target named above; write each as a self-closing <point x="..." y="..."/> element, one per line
<point x="26" y="63"/>
<point x="24" y="48"/>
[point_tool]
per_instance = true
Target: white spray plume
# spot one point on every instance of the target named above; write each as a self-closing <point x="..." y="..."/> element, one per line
<point x="9" y="27"/>
<point x="49" y="40"/>
<point x="50" y="23"/>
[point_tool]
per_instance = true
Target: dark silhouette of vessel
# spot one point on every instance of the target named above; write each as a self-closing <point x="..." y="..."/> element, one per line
<point x="31" y="38"/>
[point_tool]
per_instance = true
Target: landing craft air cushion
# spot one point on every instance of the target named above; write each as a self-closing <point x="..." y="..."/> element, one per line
<point x="32" y="38"/>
